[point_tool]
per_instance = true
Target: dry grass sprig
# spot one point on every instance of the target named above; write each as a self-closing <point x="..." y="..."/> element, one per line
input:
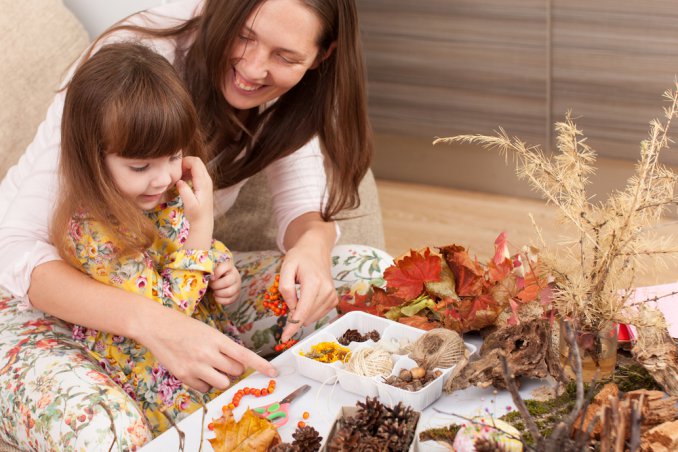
<point x="594" y="269"/>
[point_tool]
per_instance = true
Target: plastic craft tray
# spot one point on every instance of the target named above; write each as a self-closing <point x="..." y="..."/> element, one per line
<point x="391" y="333"/>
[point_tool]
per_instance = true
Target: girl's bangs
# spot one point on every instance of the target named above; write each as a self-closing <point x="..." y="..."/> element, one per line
<point x="149" y="123"/>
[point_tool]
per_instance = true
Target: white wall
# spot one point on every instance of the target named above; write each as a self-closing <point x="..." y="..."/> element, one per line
<point x="97" y="15"/>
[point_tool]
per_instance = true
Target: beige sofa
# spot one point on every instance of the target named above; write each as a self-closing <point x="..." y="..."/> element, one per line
<point x="40" y="39"/>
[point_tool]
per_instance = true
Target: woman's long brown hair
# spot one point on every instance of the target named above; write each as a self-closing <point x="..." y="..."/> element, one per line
<point x="125" y="100"/>
<point x="330" y="100"/>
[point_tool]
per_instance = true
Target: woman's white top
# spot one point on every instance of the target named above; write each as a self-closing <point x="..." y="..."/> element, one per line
<point x="28" y="191"/>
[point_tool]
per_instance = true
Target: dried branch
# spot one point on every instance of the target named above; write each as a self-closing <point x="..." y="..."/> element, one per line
<point x="610" y="238"/>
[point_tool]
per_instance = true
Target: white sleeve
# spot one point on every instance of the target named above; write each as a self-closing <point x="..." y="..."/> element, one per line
<point x="27" y="196"/>
<point x="298" y="185"/>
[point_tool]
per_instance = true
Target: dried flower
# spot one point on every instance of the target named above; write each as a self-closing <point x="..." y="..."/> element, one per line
<point x="594" y="270"/>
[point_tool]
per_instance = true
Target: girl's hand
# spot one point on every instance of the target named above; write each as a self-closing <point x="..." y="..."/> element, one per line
<point x="198" y="201"/>
<point x="225" y="283"/>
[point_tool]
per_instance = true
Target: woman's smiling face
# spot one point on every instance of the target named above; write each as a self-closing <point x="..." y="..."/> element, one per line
<point x="275" y="48"/>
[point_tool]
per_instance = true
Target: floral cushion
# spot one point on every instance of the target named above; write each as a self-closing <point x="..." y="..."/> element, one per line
<point x="53" y="397"/>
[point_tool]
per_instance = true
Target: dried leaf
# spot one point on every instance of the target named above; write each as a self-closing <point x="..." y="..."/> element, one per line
<point x="250" y="434"/>
<point x="376" y="301"/>
<point x="420" y="322"/>
<point x="445" y="288"/>
<point x="408" y="275"/>
<point x="468" y="274"/>
<point x="501" y="264"/>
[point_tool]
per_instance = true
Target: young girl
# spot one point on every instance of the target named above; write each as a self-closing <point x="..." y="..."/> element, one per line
<point x="126" y="216"/>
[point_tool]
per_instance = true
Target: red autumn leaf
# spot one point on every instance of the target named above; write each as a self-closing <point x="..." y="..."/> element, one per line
<point x="468" y="274"/>
<point x="383" y="301"/>
<point x="419" y="321"/>
<point x="406" y="277"/>
<point x="478" y="312"/>
<point x="376" y="301"/>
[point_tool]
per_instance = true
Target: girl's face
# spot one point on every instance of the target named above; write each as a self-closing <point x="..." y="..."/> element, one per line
<point x="274" y="50"/>
<point x="144" y="181"/>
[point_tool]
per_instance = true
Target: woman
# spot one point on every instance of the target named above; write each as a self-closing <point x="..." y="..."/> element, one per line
<point x="279" y="87"/>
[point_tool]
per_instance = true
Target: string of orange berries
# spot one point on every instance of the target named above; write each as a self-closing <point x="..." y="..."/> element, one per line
<point x="251" y="391"/>
<point x="281" y="347"/>
<point x="274" y="301"/>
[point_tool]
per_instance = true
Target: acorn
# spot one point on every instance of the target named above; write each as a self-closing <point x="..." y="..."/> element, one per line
<point x="418" y="372"/>
<point x="405" y="375"/>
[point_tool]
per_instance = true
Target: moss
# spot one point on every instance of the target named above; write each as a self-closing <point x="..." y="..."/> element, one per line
<point x="634" y="376"/>
<point x="446" y="434"/>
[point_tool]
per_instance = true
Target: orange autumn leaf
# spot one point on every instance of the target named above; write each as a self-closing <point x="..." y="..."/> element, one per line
<point x="419" y="321"/>
<point x="469" y="275"/>
<point x="407" y="276"/>
<point x="376" y="301"/>
<point x="250" y="434"/>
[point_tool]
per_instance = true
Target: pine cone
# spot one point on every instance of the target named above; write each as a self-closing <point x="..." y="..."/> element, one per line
<point x="369" y="417"/>
<point x="372" y="444"/>
<point x="344" y="440"/>
<point x="487" y="445"/>
<point x="307" y="439"/>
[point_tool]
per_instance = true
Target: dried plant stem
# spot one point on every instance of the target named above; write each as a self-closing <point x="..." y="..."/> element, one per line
<point x="182" y="435"/>
<point x="198" y="396"/>
<point x="112" y="418"/>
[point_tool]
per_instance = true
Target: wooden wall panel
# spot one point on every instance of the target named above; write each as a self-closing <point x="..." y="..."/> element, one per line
<point x="443" y="67"/>
<point x="611" y="62"/>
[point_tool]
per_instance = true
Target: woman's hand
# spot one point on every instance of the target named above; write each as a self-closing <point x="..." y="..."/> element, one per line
<point x="225" y="283"/>
<point x="197" y="354"/>
<point x="194" y="352"/>
<point x="307" y="263"/>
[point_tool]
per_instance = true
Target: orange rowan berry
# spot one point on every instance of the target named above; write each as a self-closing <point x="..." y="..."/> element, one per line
<point x="301" y="424"/>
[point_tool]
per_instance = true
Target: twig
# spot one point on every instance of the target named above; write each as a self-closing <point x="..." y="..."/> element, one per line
<point x="634" y="443"/>
<point x="110" y="415"/>
<point x="182" y="435"/>
<point x="197" y="395"/>
<point x="518" y="401"/>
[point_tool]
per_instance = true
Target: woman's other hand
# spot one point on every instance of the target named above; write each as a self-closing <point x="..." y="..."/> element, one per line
<point x="307" y="262"/>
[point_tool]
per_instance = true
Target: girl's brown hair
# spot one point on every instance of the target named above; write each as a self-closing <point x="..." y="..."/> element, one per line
<point x="330" y="100"/>
<point x="125" y="100"/>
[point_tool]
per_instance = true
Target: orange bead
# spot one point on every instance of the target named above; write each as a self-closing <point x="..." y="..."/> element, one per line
<point x="306" y="415"/>
<point x="231" y="406"/>
<point x="301" y="424"/>
<point x="246" y="390"/>
<point x="210" y="426"/>
<point x="264" y="392"/>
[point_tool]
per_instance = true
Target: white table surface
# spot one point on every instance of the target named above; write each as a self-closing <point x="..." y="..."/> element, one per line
<point x="324" y="401"/>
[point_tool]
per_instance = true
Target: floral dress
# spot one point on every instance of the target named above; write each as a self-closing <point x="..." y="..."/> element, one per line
<point x="165" y="272"/>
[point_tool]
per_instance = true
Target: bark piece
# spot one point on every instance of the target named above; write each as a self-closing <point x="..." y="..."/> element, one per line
<point x="663" y="437"/>
<point x="526" y="347"/>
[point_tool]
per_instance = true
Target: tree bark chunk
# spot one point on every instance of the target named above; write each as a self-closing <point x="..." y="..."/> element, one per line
<point x="526" y="347"/>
